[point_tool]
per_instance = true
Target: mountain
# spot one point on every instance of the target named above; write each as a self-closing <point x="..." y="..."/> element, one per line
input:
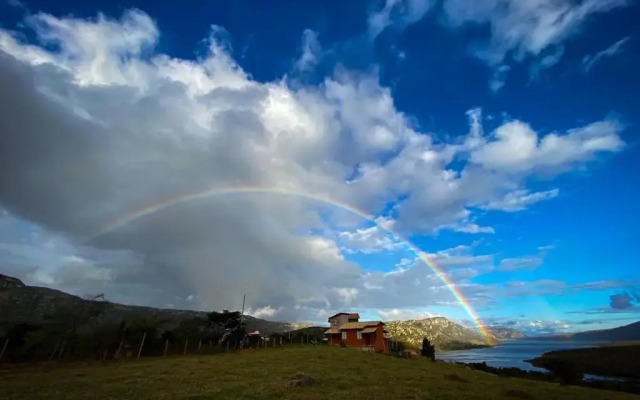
<point x="626" y="332"/>
<point x="500" y="333"/>
<point x="20" y="303"/>
<point x="443" y="333"/>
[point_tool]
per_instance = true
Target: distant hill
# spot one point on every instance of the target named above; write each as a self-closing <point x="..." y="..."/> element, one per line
<point x="443" y="333"/>
<point x="500" y="333"/>
<point x="30" y="304"/>
<point x="20" y="303"/>
<point x="629" y="332"/>
<point x="626" y="332"/>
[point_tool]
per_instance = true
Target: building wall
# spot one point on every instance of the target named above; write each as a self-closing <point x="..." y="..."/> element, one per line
<point x="352" y="340"/>
<point x="338" y="320"/>
<point x="380" y="343"/>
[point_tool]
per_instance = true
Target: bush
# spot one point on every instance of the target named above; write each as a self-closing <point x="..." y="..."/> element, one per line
<point x="428" y="350"/>
<point x="566" y="370"/>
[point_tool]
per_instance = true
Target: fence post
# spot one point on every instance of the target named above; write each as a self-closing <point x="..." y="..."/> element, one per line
<point x="64" y="343"/>
<point x="4" y="347"/>
<point x="166" y="347"/>
<point x="186" y="343"/>
<point x="227" y="345"/>
<point x="104" y="356"/>
<point x="53" y="353"/>
<point x="199" y="344"/>
<point x="144" y="336"/>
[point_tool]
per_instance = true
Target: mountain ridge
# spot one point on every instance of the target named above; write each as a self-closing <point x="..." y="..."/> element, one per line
<point x="20" y="303"/>
<point x="444" y="333"/>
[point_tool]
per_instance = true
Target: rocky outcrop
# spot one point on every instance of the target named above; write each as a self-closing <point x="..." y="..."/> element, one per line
<point x="443" y="333"/>
<point x="7" y="282"/>
<point x="439" y="330"/>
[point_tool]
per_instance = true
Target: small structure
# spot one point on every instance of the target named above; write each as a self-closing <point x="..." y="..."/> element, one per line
<point x="348" y="331"/>
<point x="253" y="338"/>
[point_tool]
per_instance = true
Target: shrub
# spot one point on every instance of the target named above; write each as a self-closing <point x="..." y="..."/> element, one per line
<point x="566" y="370"/>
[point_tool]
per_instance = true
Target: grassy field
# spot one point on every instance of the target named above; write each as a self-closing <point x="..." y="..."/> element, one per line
<point x="263" y="374"/>
<point x="622" y="360"/>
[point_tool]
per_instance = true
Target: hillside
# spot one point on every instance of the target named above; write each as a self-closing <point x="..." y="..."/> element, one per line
<point x="629" y="332"/>
<point x="626" y="332"/>
<point x="444" y="333"/>
<point x="20" y="303"/>
<point x="620" y="361"/>
<point x="440" y="331"/>
<point x="264" y="374"/>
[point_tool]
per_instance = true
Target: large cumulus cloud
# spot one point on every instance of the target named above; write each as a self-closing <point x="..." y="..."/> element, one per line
<point x="95" y="123"/>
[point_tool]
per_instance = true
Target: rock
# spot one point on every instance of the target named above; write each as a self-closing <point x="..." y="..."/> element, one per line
<point x="410" y="353"/>
<point x="301" y="380"/>
<point x="7" y="282"/>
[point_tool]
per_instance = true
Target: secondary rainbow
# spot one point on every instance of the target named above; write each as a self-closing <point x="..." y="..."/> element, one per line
<point x="213" y="192"/>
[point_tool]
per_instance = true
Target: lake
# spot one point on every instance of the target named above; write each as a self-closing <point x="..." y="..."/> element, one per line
<point x="512" y="353"/>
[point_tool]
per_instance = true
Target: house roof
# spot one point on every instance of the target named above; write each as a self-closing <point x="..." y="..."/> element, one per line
<point x="359" y="325"/>
<point x="350" y="315"/>
<point x="331" y="331"/>
<point x="370" y="329"/>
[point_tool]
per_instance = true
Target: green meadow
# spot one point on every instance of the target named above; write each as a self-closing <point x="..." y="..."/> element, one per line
<point x="264" y="374"/>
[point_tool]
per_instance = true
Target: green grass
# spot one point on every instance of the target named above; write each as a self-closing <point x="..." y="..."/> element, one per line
<point x="622" y="360"/>
<point x="263" y="374"/>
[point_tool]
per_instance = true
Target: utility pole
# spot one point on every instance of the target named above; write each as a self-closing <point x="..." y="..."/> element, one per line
<point x="242" y="315"/>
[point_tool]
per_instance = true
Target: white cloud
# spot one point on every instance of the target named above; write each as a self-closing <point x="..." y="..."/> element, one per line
<point x="460" y="256"/>
<point x="525" y="27"/>
<point x="470" y="227"/>
<point x="518" y="148"/>
<point x="520" y="199"/>
<point x="522" y="29"/>
<point x="267" y="312"/>
<point x="530" y="327"/>
<point x="398" y="13"/>
<point x="311" y="51"/>
<point x="516" y="264"/>
<point x="617" y="47"/>
<point x="395" y="314"/>
<point x="324" y="249"/>
<point x="101" y="124"/>
<point x="369" y="240"/>
<point x="499" y="78"/>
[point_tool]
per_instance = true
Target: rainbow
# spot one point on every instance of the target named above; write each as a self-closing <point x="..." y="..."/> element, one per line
<point x="213" y="192"/>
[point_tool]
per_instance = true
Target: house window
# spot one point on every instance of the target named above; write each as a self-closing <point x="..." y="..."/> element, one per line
<point x="344" y="335"/>
<point x="359" y="335"/>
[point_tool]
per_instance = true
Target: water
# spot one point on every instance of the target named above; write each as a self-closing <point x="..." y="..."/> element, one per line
<point x="512" y="353"/>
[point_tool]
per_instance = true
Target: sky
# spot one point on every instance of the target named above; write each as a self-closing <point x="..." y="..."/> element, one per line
<point x="497" y="139"/>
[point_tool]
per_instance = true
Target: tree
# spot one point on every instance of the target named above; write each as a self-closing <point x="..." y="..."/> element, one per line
<point x="66" y="330"/>
<point x="229" y="325"/>
<point x="566" y="370"/>
<point x="428" y="350"/>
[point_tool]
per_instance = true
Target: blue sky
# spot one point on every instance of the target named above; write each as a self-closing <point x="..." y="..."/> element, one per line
<point x="499" y="136"/>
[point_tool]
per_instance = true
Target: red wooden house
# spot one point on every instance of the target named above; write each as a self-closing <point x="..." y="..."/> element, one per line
<point x="345" y="328"/>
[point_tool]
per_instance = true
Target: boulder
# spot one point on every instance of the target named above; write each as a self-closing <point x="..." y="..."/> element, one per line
<point x="301" y="380"/>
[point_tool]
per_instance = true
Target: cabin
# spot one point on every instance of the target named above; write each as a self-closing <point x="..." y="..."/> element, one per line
<point x="345" y="328"/>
